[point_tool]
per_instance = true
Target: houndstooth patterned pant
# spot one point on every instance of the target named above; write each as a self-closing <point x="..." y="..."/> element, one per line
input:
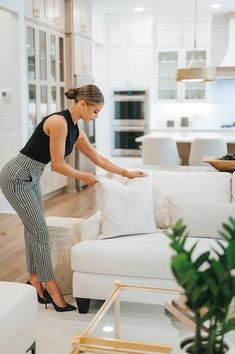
<point x="20" y="183"/>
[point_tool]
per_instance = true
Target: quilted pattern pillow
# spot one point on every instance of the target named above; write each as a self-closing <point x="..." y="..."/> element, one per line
<point x="126" y="208"/>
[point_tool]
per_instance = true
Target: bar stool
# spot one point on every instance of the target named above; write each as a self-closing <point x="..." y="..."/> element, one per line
<point x="160" y="151"/>
<point x="201" y="147"/>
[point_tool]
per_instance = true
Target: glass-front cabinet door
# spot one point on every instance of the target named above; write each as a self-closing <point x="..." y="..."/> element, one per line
<point x="42" y="55"/>
<point x="168" y="89"/>
<point x="53" y="56"/>
<point x="167" y="68"/>
<point x="195" y="90"/>
<point x="45" y="72"/>
<point x="31" y="56"/>
<point x="32" y="108"/>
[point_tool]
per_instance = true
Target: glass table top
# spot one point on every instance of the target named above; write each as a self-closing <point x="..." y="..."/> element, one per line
<point x="133" y="326"/>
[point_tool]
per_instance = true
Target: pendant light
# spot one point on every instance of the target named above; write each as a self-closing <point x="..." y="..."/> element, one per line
<point x="194" y="71"/>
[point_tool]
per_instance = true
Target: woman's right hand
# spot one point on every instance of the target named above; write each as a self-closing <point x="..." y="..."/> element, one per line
<point x="88" y="178"/>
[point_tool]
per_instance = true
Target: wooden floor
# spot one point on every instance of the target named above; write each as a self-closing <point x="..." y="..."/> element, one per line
<point x="12" y="249"/>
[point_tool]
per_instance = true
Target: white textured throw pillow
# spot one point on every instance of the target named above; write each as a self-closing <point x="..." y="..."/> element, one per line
<point x="202" y="217"/>
<point x="126" y="208"/>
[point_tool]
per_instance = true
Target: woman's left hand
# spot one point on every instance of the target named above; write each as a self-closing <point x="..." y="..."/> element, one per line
<point x="133" y="174"/>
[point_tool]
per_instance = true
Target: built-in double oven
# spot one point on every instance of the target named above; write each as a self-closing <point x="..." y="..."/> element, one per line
<point x="129" y="121"/>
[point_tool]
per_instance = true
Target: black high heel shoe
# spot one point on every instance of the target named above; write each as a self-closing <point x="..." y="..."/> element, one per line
<point x="67" y="307"/>
<point x="41" y="300"/>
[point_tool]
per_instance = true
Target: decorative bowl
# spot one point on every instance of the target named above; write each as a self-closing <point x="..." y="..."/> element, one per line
<point x="220" y="165"/>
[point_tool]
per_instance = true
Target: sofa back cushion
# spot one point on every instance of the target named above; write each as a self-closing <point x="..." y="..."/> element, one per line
<point x="203" y="218"/>
<point x="213" y="186"/>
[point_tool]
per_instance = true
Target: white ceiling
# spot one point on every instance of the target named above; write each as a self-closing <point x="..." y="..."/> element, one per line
<point x="165" y="8"/>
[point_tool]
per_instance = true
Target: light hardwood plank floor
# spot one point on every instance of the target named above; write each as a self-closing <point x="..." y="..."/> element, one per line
<point x="12" y="248"/>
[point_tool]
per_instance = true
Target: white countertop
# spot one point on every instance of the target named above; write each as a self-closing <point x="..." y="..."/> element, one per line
<point x="186" y="135"/>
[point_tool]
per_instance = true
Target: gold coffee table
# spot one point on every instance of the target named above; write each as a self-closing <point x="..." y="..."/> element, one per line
<point x="132" y="327"/>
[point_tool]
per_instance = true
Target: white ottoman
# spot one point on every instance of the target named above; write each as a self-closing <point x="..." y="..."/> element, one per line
<point x="63" y="234"/>
<point x="18" y="310"/>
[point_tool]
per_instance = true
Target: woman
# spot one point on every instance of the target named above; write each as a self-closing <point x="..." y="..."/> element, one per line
<point x="52" y="140"/>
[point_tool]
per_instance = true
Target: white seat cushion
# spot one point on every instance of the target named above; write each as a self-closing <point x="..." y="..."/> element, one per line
<point x="150" y="255"/>
<point x="18" y="308"/>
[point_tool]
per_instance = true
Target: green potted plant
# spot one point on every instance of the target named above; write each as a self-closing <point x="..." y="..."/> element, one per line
<point x="208" y="283"/>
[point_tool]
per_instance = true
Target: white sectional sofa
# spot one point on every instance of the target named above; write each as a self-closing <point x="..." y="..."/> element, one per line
<point x="203" y="199"/>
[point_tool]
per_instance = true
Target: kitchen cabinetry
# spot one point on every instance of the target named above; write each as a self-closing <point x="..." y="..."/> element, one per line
<point x="130" y="33"/>
<point x="52" y="181"/>
<point x="130" y="68"/>
<point x="130" y="51"/>
<point x="46" y="84"/>
<point x="56" y="13"/>
<point x="82" y="56"/>
<point x="82" y="18"/>
<point x="174" y="41"/>
<point x="36" y="10"/>
<point x="47" y="12"/>
<point x="82" y="37"/>
<point x="168" y="61"/>
<point x="181" y="33"/>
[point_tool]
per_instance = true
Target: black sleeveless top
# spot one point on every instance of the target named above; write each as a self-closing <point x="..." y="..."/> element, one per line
<point x="38" y="145"/>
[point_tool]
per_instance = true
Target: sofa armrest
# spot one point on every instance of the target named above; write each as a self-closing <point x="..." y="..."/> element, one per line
<point x="91" y="227"/>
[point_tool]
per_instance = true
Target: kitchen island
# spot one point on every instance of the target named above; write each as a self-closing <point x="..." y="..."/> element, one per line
<point x="184" y="137"/>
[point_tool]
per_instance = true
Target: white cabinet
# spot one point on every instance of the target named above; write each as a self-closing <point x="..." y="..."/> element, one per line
<point x="36" y="10"/>
<point x="56" y="13"/>
<point x="45" y="180"/>
<point x="195" y="90"/>
<point x="181" y="33"/>
<point x="203" y="34"/>
<point x="174" y="40"/>
<point x="58" y="181"/>
<point x="130" y="51"/>
<point x="82" y="56"/>
<point x="168" y="62"/>
<point x="46" y="83"/>
<point x="82" y="37"/>
<point x="46" y="72"/>
<point x="130" y="67"/>
<point x="130" y="33"/>
<point x="52" y="181"/>
<point x="46" y="12"/>
<point x="167" y="65"/>
<point x="82" y="18"/>
<point x="168" y="34"/>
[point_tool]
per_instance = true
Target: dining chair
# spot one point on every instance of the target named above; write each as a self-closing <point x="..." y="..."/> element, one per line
<point x="160" y="151"/>
<point x="202" y="147"/>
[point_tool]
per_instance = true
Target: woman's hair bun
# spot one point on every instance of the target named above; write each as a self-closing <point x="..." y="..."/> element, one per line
<point x="71" y="93"/>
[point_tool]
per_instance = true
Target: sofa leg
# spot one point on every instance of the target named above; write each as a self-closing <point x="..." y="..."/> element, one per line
<point x="32" y="348"/>
<point x="83" y="304"/>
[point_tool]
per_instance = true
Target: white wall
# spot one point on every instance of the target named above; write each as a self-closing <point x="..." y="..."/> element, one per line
<point x="13" y="122"/>
<point x="10" y="123"/>
<point x="13" y="131"/>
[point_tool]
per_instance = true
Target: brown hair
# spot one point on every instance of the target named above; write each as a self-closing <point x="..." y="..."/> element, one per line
<point x="89" y="93"/>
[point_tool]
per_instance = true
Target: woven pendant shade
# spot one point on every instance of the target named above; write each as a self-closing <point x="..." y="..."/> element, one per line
<point x="196" y="74"/>
<point x="195" y="71"/>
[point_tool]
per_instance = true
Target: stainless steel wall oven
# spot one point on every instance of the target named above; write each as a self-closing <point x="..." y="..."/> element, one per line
<point x="130" y="120"/>
<point x="123" y="140"/>
<point x="130" y="108"/>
